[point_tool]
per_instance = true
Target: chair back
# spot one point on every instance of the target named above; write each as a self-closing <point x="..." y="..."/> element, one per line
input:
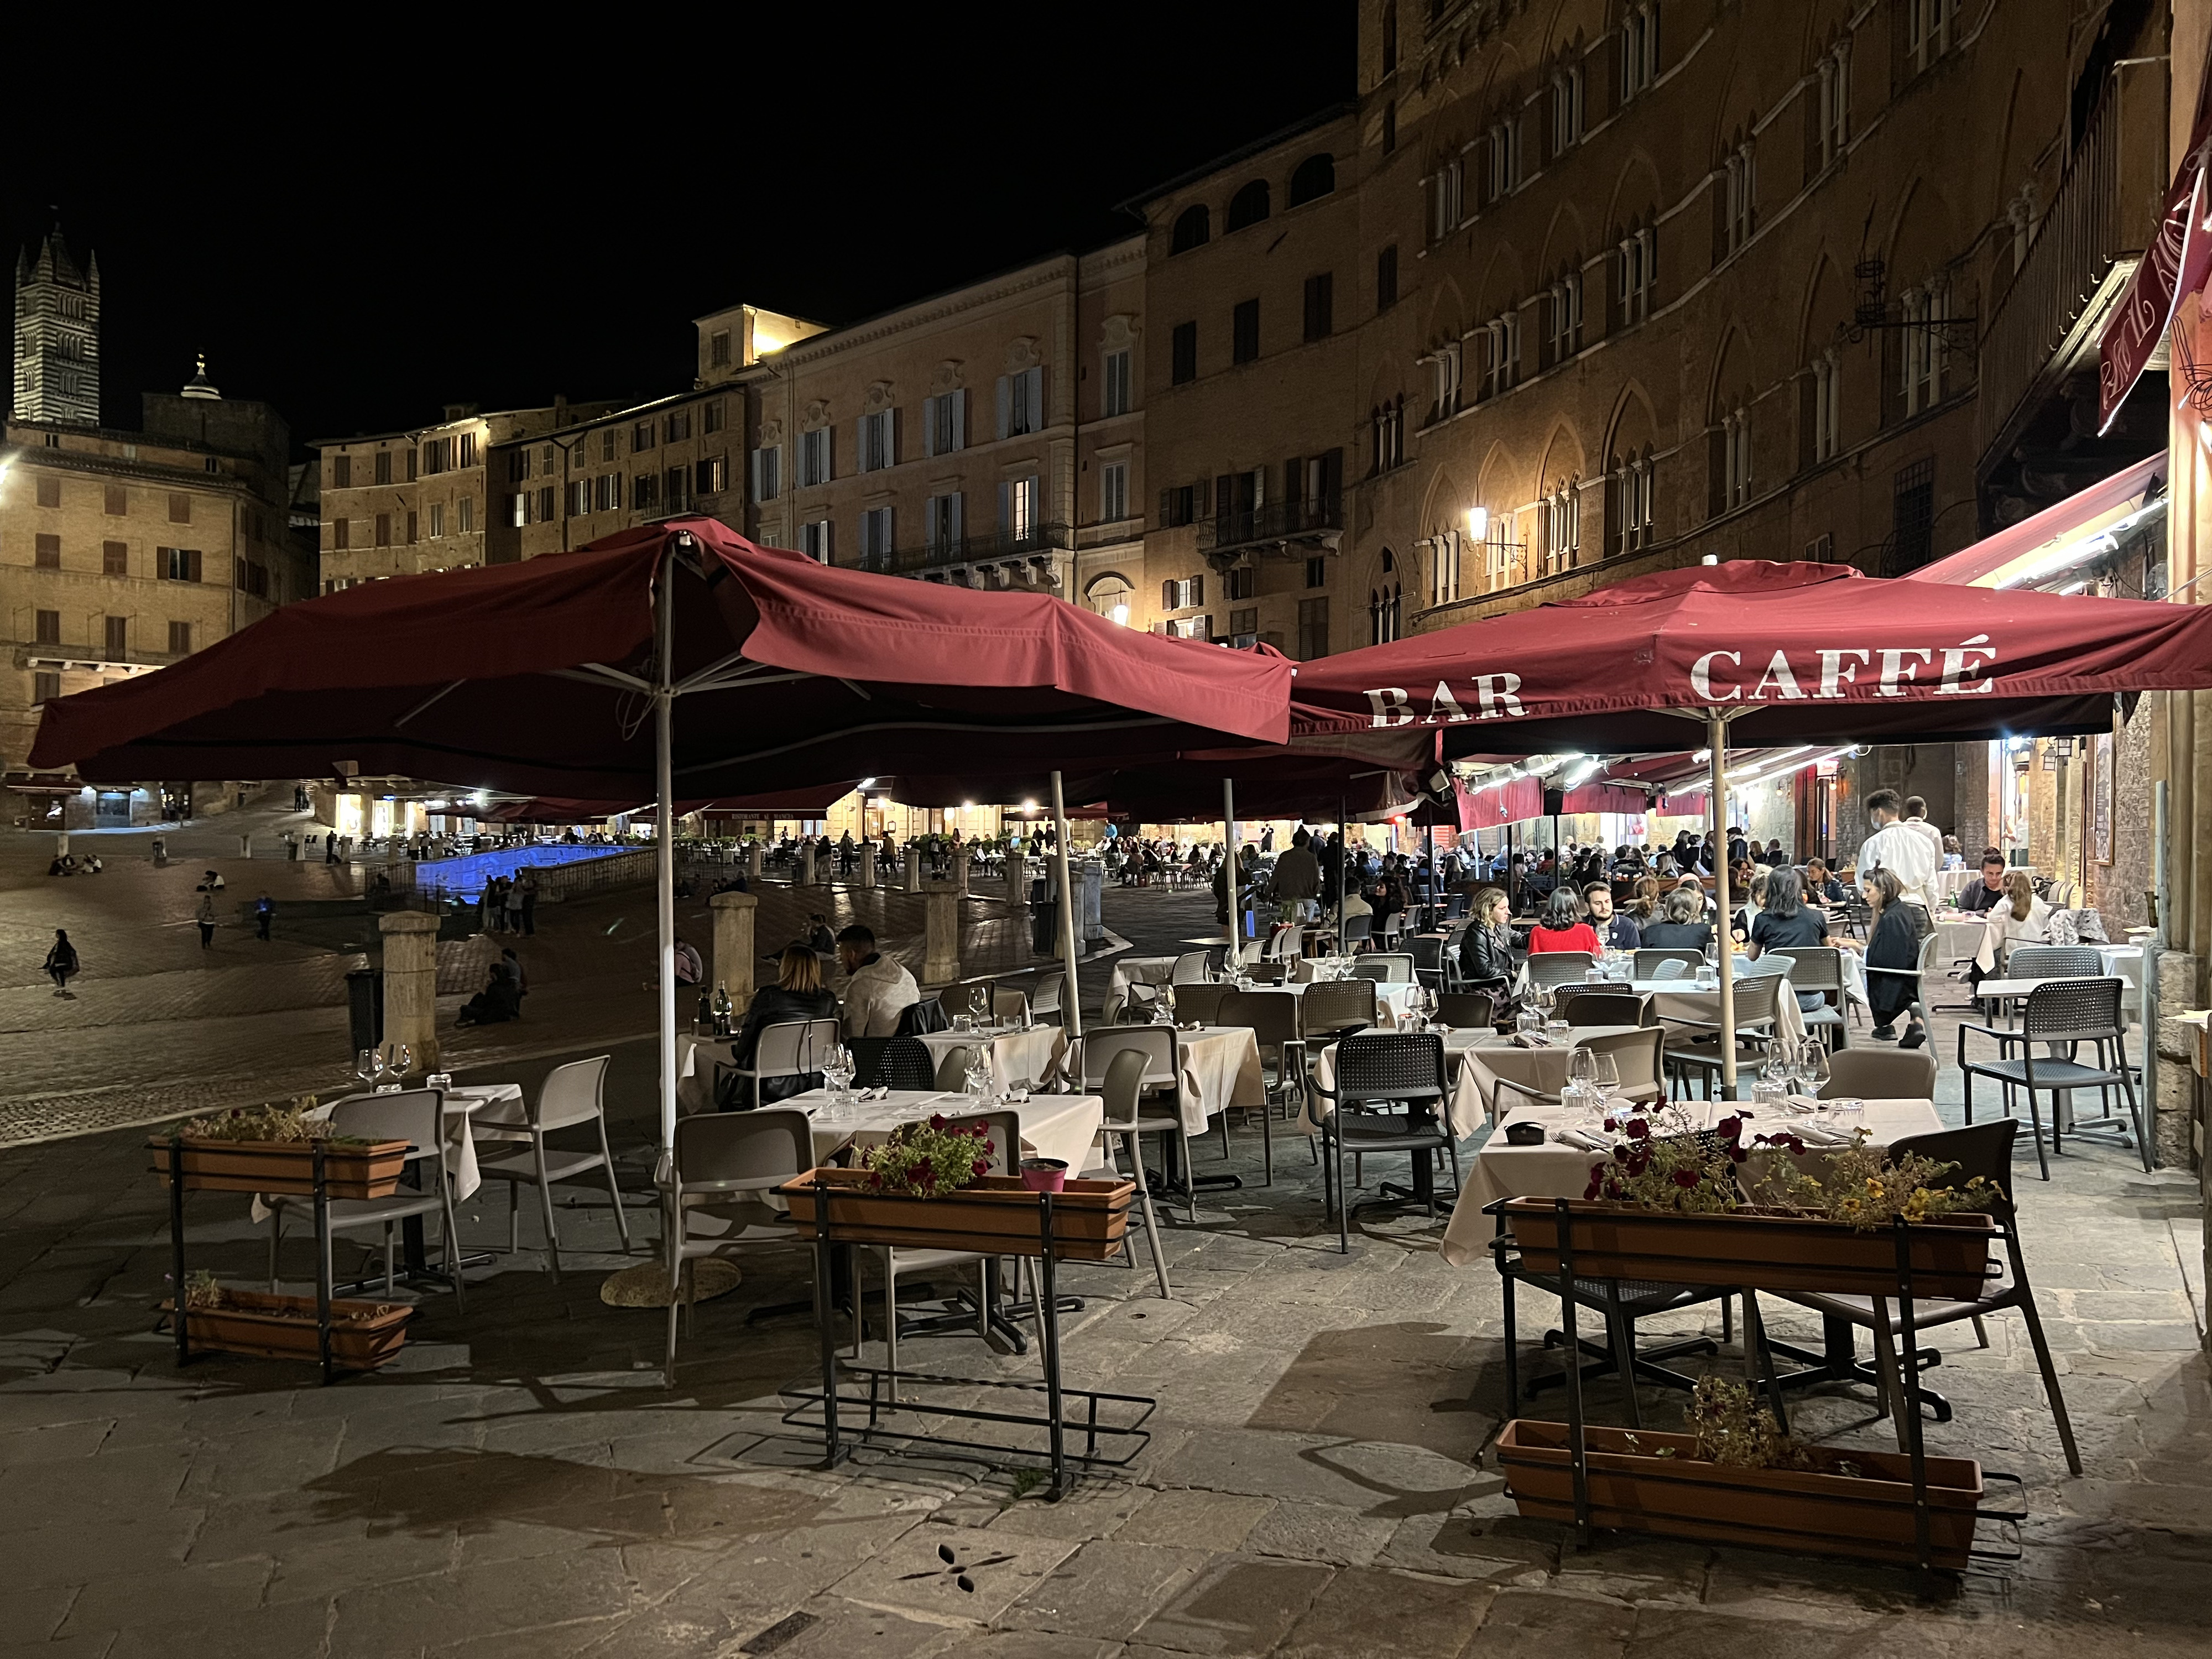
<point x="1045" y="998"/>
<point x="1664" y="962"/>
<point x="1982" y="1149"/>
<point x="1272" y="1017"/>
<point x="906" y="1063"/>
<point x="2053" y="962"/>
<point x="920" y="1018"/>
<point x="1558" y="967"/>
<point x="1386" y="967"/>
<point x="1286" y="943"/>
<point x="574" y="1093"/>
<point x="1881" y="1074"/>
<point x="1814" y="967"/>
<point x="795" y="1046"/>
<point x="1337" y="1004"/>
<point x="1249" y="952"/>
<point x="1428" y="951"/>
<point x="1759" y="967"/>
<point x="868" y="1059"/>
<point x="1596" y="1007"/>
<point x="1266" y="973"/>
<point x="1755" y="1000"/>
<point x="742" y="1151"/>
<point x="1156" y="1042"/>
<point x="1638" y="1056"/>
<point x="1200" y="1002"/>
<point x="1357" y="930"/>
<point x="1190" y="968"/>
<point x="1003" y="1150"/>
<point x="1389" y="1066"/>
<point x="1010" y="1005"/>
<point x="952" y="1067"/>
<point x="2081" y="1009"/>
<point x="415" y="1116"/>
<point x="1469" y="1010"/>
<point x="1123" y="1084"/>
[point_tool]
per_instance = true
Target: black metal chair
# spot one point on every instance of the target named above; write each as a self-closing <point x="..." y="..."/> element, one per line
<point x="1384" y="1069"/>
<point x="904" y="1063"/>
<point x="1599" y="1004"/>
<point x="1468" y="1010"/>
<point x="2064" y="1013"/>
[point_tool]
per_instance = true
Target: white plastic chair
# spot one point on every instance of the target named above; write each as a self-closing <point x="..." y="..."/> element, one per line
<point x="1162" y="1076"/>
<point x="414" y="1115"/>
<point x="571" y="1095"/>
<point x="791" y="1048"/>
<point x="721" y="1168"/>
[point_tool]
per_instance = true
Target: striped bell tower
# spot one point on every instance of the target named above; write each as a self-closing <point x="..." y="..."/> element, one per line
<point x="57" y="335"/>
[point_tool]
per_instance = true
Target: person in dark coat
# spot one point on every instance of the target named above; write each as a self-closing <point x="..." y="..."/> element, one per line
<point x="62" y="965"/>
<point x="1486" y="949"/>
<point x="1892" y="942"/>
<point x="500" y="1000"/>
<point x="797" y="994"/>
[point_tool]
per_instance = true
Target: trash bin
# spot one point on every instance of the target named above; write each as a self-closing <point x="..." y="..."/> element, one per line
<point x="1044" y="926"/>
<point x="365" y="1006"/>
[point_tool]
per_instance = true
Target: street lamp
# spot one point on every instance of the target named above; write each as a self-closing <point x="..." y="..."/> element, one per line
<point x="1478" y="523"/>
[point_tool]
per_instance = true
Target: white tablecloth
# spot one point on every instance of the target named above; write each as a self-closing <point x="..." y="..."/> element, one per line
<point x="1704" y="1006"/>
<point x="1019" y="1060"/>
<point x="696" y="1060"/>
<point x="1138" y="970"/>
<point x="1958" y="939"/>
<point x="1220" y="1069"/>
<point x="1554" y="1170"/>
<point x="461" y="1103"/>
<point x="1052" y="1126"/>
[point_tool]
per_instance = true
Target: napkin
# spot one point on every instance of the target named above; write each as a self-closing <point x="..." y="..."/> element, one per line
<point x="1530" y="1040"/>
<point x="1576" y="1138"/>
<point x="1822" y="1134"/>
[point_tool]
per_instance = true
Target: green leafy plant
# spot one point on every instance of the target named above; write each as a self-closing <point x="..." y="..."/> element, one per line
<point x="1661" y="1161"/>
<point x="1865" y="1188"/>
<point x="927" y="1160"/>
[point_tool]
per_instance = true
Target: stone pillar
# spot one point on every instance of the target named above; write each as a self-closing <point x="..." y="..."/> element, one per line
<point x="1018" y="883"/>
<point x="941" y="950"/>
<point x="960" y="871"/>
<point x="410" y="985"/>
<point x="1089" y="876"/>
<point x="245" y="847"/>
<point x="735" y="952"/>
<point x="802" y="869"/>
<point x="866" y="868"/>
<point x="913" y="868"/>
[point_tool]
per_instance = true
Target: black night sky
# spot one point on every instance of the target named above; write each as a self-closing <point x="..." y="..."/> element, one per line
<point x="359" y="224"/>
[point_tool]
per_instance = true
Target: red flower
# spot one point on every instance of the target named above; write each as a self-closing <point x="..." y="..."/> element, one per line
<point x="936" y="1121"/>
<point x="1730" y="1128"/>
<point x="875" y="1179"/>
<point x="925" y="1174"/>
<point x="1638" y="1129"/>
<point x="980" y="1168"/>
<point x="1686" y="1177"/>
<point x="1597" y="1181"/>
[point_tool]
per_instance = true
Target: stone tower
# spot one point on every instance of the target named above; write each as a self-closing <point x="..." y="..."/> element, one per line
<point x="57" y="335"/>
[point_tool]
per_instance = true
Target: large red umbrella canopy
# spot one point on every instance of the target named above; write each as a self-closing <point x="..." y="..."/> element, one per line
<point x="1794" y="654"/>
<point x="535" y="678"/>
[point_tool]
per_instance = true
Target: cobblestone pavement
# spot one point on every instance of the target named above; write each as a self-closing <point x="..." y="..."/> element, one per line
<point x="526" y="1481"/>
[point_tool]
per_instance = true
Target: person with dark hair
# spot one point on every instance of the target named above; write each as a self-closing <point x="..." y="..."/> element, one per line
<point x="1909" y="853"/>
<point x="1562" y="927"/>
<point x="797" y="994"/>
<point x="878" y="988"/>
<point x="1893" y="942"/>
<point x="1682" y="925"/>
<point x="1916" y="819"/>
<point x="1618" y="932"/>
<point x="62" y="965"/>
<point x="1785" y="921"/>
<point x="1982" y="894"/>
<point x="1821" y="886"/>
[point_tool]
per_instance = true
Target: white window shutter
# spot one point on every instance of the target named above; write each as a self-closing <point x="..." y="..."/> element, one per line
<point x="1006" y="403"/>
<point x="959" y="422"/>
<point x="756" y="458"/>
<point x="829" y="453"/>
<point x="929" y="426"/>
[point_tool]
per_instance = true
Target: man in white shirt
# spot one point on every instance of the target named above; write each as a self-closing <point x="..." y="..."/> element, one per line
<point x="878" y="988"/>
<point x="1916" y="819"/>
<point x="1901" y="849"/>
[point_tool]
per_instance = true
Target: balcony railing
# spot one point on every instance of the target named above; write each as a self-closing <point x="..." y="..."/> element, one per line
<point x="2086" y="249"/>
<point x="991" y="547"/>
<point x="1294" y="519"/>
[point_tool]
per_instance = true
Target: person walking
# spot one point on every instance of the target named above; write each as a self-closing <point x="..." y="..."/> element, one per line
<point x="511" y="895"/>
<point x="264" y="912"/>
<point x="529" y="902"/>
<point x="206" y="918"/>
<point x="62" y="965"/>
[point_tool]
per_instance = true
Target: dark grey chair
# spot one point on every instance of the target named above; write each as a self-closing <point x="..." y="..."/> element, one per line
<point x="1383" y="1070"/>
<point x="2064" y="1013"/>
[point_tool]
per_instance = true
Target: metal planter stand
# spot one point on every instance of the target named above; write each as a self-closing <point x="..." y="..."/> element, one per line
<point x="181" y="1317"/>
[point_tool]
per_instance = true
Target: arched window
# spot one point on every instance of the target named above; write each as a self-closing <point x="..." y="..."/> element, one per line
<point x="1248" y="205"/>
<point x="1316" y="178"/>
<point x="1109" y="595"/>
<point x="1389" y="561"/>
<point x="1192" y="227"/>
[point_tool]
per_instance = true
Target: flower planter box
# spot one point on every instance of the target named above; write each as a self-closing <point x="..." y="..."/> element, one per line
<point x="1630" y="1487"/>
<point x="1760" y="1249"/>
<point x="286" y="1166"/>
<point x="363" y="1334"/>
<point x="996" y="1216"/>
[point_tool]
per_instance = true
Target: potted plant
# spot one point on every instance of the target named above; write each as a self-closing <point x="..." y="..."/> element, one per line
<point x="1738" y="1478"/>
<point x="930" y="1185"/>
<point x="1668" y="1203"/>
<point x="271" y="1149"/>
<point x="220" y="1320"/>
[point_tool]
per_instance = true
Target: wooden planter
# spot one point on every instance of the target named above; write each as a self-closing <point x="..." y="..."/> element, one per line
<point x="286" y="1166"/>
<point x="1869" y="1516"/>
<point x="996" y="1216"/>
<point x="284" y="1327"/>
<point x="1763" y="1249"/>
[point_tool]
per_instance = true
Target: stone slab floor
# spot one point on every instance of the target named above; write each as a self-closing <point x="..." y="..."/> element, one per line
<point x="526" y="1481"/>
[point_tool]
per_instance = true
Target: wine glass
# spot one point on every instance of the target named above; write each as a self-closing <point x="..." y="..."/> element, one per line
<point x="1812" y="1071"/>
<point x="365" y="1066"/>
<point x="978" y="1081"/>
<point x="838" y="1070"/>
<point x="979" y="1003"/>
<point x="403" y="1059"/>
<point x="1605" y="1072"/>
<point x="1582" y="1067"/>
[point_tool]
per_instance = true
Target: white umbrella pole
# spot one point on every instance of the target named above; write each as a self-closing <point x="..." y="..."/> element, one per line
<point x="1228" y="863"/>
<point x="664" y="721"/>
<point x="1717" y="741"/>
<point x="1070" y="999"/>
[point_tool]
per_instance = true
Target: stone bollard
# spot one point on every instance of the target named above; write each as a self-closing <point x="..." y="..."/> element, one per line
<point x="960" y="871"/>
<point x="756" y="861"/>
<point x="735" y="915"/>
<point x="913" y="869"/>
<point x="245" y="847"/>
<point x="867" y="865"/>
<point x="940" y="963"/>
<point x="410" y="986"/>
<point x="1018" y="883"/>
<point x="802" y="869"/>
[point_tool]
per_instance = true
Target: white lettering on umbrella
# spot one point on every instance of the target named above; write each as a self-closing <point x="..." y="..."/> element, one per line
<point x="1779" y="676"/>
<point x="1963" y="659"/>
<point x="1495" y="693"/>
<point x="1894" y="669"/>
<point x="1701" y="677"/>
<point x="1442" y="700"/>
<point x="1390" y="705"/>
<point x="1834" y="676"/>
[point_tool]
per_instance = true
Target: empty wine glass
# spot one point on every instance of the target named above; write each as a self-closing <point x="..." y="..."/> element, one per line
<point x="1582" y="1067"/>
<point x="978" y="1081"/>
<point x="1605" y="1072"/>
<point x="403" y="1059"/>
<point x="1812" y="1071"/>
<point x="365" y="1066"/>
<point x="837" y="1071"/>
<point x="979" y="1001"/>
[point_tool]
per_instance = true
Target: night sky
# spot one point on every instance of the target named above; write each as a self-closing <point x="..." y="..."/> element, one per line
<point x="360" y="239"/>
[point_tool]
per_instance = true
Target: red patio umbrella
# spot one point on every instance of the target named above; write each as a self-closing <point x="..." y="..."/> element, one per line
<point x="1765" y="653"/>
<point x="560" y="677"/>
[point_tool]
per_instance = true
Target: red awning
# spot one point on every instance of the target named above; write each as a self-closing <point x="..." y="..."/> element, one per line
<point x="1798" y="654"/>
<point x="2018" y="548"/>
<point x="535" y="678"/>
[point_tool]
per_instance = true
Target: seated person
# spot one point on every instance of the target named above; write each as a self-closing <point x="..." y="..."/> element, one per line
<point x="1681" y="925"/>
<point x="1894" y="944"/>
<point x="818" y="938"/>
<point x="1485" y="948"/>
<point x="1562" y="927"/>
<point x="499" y="1001"/>
<point x="1618" y="932"/>
<point x="797" y="994"/>
<point x="878" y="988"/>
<point x="1985" y="894"/>
<point x="1822" y="887"/>
<point x="1785" y="921"/>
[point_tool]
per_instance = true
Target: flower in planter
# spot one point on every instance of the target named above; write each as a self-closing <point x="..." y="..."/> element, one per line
<point x="1661" y="1161"/>
<point x="290" y="1123"/>
<point x="1866" y="1189"/>
<point x="927" y="1160"/>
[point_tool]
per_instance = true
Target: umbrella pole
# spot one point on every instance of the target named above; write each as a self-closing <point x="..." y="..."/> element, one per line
<point x="1228" y="863"/>
<point x="1717" y="741"/>
<point x="1071" y="1000"/>
<point x="664" y="720"/>
<point x="1343" y="852"/>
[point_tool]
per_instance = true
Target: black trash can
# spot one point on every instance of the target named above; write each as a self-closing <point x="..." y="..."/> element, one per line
<point x="365" y="1006"/>
<point x="1044" y="927"/>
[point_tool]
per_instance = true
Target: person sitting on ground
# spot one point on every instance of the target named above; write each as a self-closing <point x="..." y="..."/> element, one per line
<point x="798" y="994"/>
<point x="1681" y="925"/>
<point x="211" y="882"/>
<point x="690" y="970"/>
<point x="1562" y="927"/>
<point x="1618" y="932"/>
<point x="1893" y="943"/>
<point x="878" y="988"/>
<point x="521" y="979"/>
<point x="1785" y="921"/>
<point x="1486" y="949"/>
<point x="1990" y="890"/>
<point x="499" y="1001"/>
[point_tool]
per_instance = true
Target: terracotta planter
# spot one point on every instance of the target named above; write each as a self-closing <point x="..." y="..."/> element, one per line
<point x="996" y="1216"/>
<point x="285" y="1166"/>
<point x="1868" y="1515"/>
<point x="1760" y="1249"/>
<point x="284" y="1327"/>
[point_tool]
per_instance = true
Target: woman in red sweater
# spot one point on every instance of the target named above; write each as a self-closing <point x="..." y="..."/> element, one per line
<point x="1563" y="928"/>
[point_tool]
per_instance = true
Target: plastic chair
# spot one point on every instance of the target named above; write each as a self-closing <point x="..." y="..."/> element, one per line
<point x="952" y="1067"/>
<point x="1335" y="1007"/>
<point x="2054" y="962"/>
<point x="721" y="1166"/>
<point x="1917" y="1008"/>
<point x="1387" y="968"/>
<point x="1356" y="932"/>
<point x="1386" y="1068"/>
<point x="1189" y="969"/>
<point x="905" y="1064"/>
<point x="1162" y="1074"/>
<point x="1817" y="970"/>
<point x="1548" y="968"/>
<point x="1007" y="1005"/>
<point x="1881" y="1074"/>
<point x="1468" y="1010"/>
<point x="1597" y="1006"/>
<point x="2067" y="1012"/>
<point x="1200" y="1002"/>
<point x="571" y="1095"/>
<point x="1696" y="1046"/>
<point x="1273" y="1018"/>
<point x="417" y="1117"/>
<point x="1654" y="962"/>
<point x="792" y="1048"/>
<point x="1044" y="998"/>
<point x="1123" y="1087"/>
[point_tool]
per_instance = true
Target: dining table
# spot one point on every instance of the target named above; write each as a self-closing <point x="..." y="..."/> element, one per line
<point x="1061" y="1127"/>
<point x="1020" y="1058"/>
<point x="1137" y="970"/>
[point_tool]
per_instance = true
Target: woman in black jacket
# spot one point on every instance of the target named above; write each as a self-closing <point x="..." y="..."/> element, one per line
<point x="1486" y="949"/>
<point x="1893" y="942"/>
<point x="797" y="994"/>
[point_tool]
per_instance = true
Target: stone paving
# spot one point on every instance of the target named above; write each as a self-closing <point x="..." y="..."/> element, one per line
<point x="526" y="1480"/>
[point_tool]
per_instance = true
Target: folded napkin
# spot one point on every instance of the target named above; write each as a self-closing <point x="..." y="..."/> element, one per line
<point x="1576" y="1138"/>
<point x="1822" y="1134"/>
<point x="1530" y="1040"/>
